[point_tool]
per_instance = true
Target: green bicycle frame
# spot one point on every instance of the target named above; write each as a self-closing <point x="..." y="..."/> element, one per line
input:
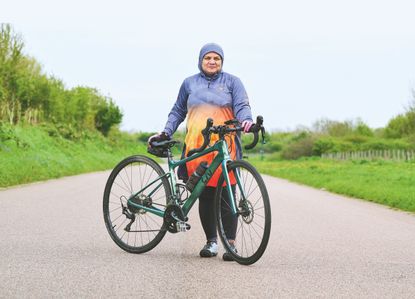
<point x="221" y="158"/>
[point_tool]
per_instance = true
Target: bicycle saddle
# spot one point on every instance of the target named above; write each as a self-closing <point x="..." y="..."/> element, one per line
<point x="161" y="149"/>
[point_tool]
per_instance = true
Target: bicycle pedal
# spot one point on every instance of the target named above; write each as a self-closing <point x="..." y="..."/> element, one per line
<point x="182" y="226"/>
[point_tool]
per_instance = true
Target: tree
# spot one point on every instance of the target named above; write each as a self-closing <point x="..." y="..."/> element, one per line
<point x="333" y="128"/>
<point x="108" y="115"/>
<point x="27" y="94"/>
<point x="402" y="125"/>
<point x="11" y="55"/>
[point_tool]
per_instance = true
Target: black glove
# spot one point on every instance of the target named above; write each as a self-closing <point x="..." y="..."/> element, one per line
<point x="163" y="136"/>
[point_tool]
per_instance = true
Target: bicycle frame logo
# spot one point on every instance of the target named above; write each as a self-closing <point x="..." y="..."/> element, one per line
<point x="206" y="178"/>
<point x="221" y="158"/>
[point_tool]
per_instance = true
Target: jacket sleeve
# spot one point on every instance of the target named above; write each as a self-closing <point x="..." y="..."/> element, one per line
<point x="178" y="112"/>
<point x="240" y="102"/>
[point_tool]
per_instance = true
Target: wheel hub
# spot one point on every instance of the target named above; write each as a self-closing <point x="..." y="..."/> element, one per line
<point x="247" y="212"/>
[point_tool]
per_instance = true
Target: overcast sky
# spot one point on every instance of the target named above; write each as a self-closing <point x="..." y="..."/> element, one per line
<point x="300" y="61"/>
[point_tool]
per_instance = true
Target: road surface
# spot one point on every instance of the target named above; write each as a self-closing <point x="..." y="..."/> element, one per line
<point x="53" y="243"/>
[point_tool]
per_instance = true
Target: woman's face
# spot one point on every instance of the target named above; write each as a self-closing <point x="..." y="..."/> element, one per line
<point x="211" y="63"/>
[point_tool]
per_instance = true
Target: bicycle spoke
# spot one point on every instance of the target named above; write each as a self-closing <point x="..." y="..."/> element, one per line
<point x="261" y="227"/>
<point x="121" y="225"/>
<point x="258" y="215"/>
<point x="135" y="235"/>
<point x="115" y="209"/>
<point x="249" y="195"/>
<point x="257" y="200"/>
<point x="252" y="240"/>
<point x="125" y="184"/>
<point x="158" y="224"/>
<point x="117" y="203"/>
<point x="129" y="183"/>
<point x="128" y="191"/>
<point x="149" y="231"/>
<point x="117" y="217"/>
<point x="253" y="228"/>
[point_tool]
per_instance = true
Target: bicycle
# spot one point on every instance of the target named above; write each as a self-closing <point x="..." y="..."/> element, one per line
<point x="142" y="202"/>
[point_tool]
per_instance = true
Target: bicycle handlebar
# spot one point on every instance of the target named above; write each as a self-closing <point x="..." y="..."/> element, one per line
<point x="222" y="130"/>
<point x="255" y="129"/>
<point x="206" y="138"/>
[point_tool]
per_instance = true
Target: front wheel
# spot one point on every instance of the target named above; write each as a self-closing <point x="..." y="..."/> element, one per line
<point x="133" y="229"/>
<point x="244" y="235"/>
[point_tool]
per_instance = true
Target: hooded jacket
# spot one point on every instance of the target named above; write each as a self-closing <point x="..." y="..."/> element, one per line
<point x="221" y="97"/>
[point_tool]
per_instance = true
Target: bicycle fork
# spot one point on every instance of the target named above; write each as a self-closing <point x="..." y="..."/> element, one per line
<point x="232" y="198"/>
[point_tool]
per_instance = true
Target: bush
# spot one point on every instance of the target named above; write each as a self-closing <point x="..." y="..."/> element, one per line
<point x="401" y="125"/>
<point x="107" y="116"/>
<point x="323" y="145"/>
<point x="382" y="144"/>
<point x="356" y="139"/>
<point x="363" y="130"/>
<point x="6" y="132"/>
<point x="299" y="148"/>
<point x="272" y="147"/>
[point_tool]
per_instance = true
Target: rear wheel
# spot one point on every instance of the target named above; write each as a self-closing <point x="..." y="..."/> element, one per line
<point x="249" y="230"/>
<point x="133" y="229"/>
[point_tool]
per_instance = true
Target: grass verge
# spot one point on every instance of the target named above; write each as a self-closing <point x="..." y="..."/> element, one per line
<point x="34" y="155"/>
<point x="385" y="182"/>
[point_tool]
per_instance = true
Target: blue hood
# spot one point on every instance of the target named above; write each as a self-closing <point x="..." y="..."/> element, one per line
<point x="211" y="47"/>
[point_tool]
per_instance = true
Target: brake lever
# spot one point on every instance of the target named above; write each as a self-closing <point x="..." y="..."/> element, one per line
<point x="263" y="134"/>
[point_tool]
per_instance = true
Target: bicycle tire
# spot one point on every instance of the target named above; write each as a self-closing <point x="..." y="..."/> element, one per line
<point x="250" y="242"/>
<point x="128" y="177"/>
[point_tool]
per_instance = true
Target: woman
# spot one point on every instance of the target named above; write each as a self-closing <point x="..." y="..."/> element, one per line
<point x="220" y="96"/>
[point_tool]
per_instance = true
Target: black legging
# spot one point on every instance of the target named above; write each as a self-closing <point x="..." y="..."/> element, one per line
<point x="207" y="214"/>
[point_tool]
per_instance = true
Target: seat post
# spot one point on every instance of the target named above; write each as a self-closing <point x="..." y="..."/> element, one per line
<point x="169" y="154"/>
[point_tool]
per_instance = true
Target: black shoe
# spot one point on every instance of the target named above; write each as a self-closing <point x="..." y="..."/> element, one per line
<point x="227" y="257"/>
<point x="209" y="250"/>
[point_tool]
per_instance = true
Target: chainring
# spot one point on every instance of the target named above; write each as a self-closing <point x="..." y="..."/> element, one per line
<point x="172" y="215"/>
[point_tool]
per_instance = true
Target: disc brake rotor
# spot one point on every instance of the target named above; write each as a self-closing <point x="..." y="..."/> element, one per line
<point x="142" y="200"/>
<point x="247" y="212"/>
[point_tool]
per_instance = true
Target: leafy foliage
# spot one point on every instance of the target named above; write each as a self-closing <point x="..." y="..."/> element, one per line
<point x="27" y="95"/>
<point x="300" y="147"/>
<point x="107" y="116"/>
<point x="332" y="136"/>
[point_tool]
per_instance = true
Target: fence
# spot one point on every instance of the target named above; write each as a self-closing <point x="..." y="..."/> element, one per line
<point x="396" y="155"/>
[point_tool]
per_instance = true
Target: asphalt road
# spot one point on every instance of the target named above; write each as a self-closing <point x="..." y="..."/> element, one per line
<point x="53" y="243"/>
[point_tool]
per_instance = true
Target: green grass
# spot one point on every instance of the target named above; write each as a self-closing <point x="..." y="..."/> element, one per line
<point x="385" y="182"/>
<point x="41" y="153"/>
<point x="38" y="156"/>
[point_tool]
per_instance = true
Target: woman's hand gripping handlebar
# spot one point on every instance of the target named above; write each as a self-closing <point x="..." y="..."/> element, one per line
<point x="229" y="127"/>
